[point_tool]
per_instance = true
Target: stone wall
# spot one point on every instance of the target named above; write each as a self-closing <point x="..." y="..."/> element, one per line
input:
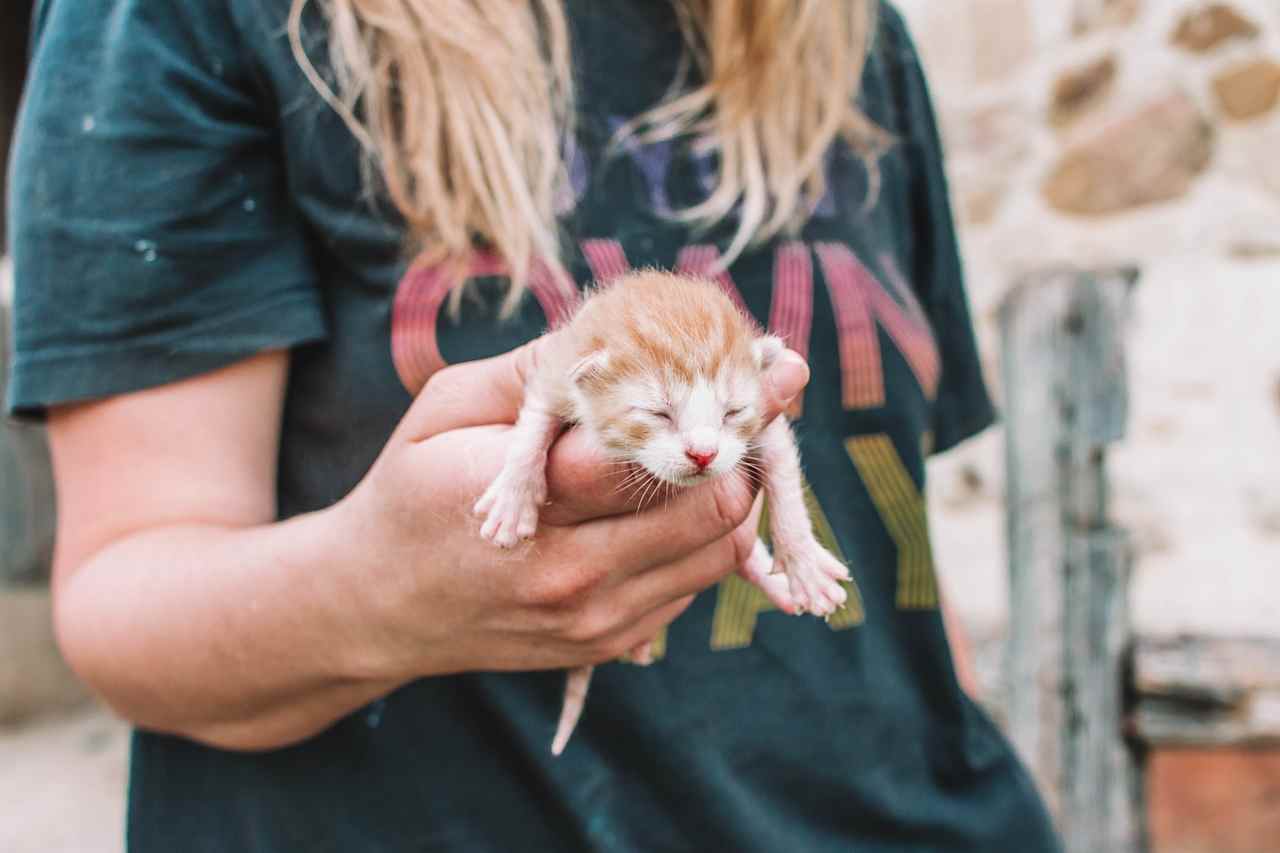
<point x="1104" y="130"/>
<point x="1141" y="132"/>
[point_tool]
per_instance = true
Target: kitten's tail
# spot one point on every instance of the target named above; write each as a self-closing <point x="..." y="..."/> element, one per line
<point x="575" y="697"/>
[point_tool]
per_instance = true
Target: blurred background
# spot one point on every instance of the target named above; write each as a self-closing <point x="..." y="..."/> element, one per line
<point x="1129" y="145"/>
<point x="1141" y="133"/>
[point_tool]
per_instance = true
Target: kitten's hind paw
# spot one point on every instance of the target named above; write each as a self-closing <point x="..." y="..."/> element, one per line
<point x="759" y="571"/>
<point x="815" y="578"/>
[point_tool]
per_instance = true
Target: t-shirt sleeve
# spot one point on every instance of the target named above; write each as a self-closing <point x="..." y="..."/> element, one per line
<point x="963" y="406"/>
<point x="153" y="233"/>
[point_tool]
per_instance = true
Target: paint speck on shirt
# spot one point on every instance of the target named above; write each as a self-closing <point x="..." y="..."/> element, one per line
<point x="147" y="249"/>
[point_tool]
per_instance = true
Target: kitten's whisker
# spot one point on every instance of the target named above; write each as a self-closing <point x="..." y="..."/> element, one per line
<point x="652" y="496"/>
<point x="751" y="471"/>
<point x="649" y="484"/>
<point x="632" y="479"/>
<point x="635" y="487"/>
<point x="656" y="493"/>
<point x="745" y="481"/>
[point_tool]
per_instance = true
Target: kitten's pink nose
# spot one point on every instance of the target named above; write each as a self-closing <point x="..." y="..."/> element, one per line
<point x="701" y="459"/>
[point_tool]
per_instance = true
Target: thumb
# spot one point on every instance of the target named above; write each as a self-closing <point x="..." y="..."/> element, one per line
<point x="784" y="383"/>
<point x="473" y="393"/>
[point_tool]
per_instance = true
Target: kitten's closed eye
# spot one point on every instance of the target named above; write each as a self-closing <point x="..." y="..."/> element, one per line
<point x="660" y="414"/>
<point x="733" y="413"/>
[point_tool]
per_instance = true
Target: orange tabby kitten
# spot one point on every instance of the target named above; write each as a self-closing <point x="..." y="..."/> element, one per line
<point x="665" y="372"/>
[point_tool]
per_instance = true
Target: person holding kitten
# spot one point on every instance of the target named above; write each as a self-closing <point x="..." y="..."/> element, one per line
<point x="282" y="268"/>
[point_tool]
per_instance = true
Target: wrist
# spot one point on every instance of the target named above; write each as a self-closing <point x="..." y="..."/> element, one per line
<point x="391" y="633"/>
<point x="346" y="562"/>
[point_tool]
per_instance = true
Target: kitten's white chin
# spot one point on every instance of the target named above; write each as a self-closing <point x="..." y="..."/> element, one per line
<point x="685" y="480"/>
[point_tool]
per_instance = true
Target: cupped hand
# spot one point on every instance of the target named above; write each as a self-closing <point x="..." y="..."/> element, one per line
<point x="600" y="578"/>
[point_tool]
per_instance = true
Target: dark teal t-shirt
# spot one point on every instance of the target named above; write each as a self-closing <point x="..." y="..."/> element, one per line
<point x="182" y="199"/>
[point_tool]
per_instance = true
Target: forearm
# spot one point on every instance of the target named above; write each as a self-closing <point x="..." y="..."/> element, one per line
<point x="246" y="638"/>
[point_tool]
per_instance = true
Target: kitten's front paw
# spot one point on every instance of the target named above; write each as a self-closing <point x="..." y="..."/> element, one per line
<point x="814" y="576"/>
<point x="510" y="513"/>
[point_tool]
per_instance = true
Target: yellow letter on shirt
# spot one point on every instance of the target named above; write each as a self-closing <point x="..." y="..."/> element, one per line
<point x="902" y="508"/>
<point x="739" y="604"/>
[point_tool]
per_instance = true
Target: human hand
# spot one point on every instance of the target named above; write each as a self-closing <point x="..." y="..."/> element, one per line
<point x="602" y="577"/>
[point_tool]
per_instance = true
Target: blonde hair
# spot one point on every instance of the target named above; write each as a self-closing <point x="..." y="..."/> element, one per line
<point x="463" y="108"/>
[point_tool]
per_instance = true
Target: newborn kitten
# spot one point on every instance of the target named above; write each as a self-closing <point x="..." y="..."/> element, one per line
<point x="665" y="372"/>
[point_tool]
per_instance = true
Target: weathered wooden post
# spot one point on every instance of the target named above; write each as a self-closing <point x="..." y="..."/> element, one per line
<point x="1069" y="635"/>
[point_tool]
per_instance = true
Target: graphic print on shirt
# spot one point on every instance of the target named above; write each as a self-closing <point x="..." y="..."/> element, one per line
<point x="902" y="508"/>
<point x="422" y="294"/>
<point x="862" y="302"/>
<point x="859" y="301"/>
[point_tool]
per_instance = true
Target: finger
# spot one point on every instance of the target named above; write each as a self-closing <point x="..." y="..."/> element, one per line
<point x="474" y="393"/>
<point x="686" y="576"/>
<point x="783" y="384"/>
<point x="644" y="629"/>
<point x="693" y="572"/>
<point x="685" y="522"/>
<point x="583" y="482"/>
<point x="586" y="483"/>
<point x="641" y="655"/>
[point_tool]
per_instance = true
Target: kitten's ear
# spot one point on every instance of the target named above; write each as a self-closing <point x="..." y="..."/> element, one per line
<point x="590" y="367"/>
<point x="767" y="348"/>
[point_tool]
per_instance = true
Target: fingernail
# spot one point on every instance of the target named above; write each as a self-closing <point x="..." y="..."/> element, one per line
<point x="789" y="375"/>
